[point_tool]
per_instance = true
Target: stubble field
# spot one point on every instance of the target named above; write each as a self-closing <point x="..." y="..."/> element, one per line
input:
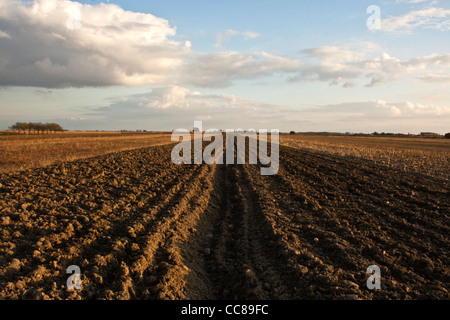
<point x="140" y="227"/>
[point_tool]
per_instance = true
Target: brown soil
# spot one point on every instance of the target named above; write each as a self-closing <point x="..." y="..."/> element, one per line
<point x="29" y="151"/>
<point x="140" y="227"/>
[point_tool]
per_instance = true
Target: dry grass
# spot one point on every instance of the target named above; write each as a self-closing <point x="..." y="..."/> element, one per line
<point x="21" y="152"/>
<point x="426" y="156"/>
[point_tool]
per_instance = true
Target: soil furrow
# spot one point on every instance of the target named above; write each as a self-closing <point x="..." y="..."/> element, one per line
<point x="350" y="238"/>
<point x="140" y="227"/>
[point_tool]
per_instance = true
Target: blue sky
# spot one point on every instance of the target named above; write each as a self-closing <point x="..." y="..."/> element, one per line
<point x="288" y="65"/>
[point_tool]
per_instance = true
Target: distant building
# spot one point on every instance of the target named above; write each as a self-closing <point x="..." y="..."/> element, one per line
<point x="428" y="134"/>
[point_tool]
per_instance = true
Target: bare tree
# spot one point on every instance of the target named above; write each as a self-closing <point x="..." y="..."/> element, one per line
<point x="36" y="127"/>
<point x="15" y="127"/>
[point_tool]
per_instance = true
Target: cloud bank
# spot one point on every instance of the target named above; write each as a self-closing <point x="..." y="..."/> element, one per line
<point x="219" y="70"/>
<point x="174" y="99"/>
<point x="367" y="64"/>
<point x="111" y="47"/>
<point x="58" y="44"/>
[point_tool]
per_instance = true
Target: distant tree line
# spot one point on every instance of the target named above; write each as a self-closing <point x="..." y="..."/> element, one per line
<point x="36" y="127"/>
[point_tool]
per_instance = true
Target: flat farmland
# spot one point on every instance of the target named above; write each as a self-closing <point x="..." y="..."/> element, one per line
<point x="140" y="227"/>
<point x="421" y="155"/>
<point x="26" y="151"/>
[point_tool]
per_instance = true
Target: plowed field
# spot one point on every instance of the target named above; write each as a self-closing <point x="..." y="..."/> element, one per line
<point x="140" y="227"/>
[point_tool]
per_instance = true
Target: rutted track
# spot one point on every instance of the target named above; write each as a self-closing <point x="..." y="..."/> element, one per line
<point x="243" y="264"/>
<point x="140" y="227"/>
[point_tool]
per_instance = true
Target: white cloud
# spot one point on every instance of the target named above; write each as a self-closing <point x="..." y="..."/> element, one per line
<point x="221" y="69"/>
<point x="225" y="36"/>
<point x="428" y="18"/>
<point x="349" y="84"/>
<point x="410" y="109"/>
<point x="176" y="97"/>
<point x="350" y="64"/>
<point x="59" y="43"/>
<point x="170" y="97"/>
<point x="373" y="110"/>
<point x="333" y="63"/>
<point x="111" y="46"/>
<point x="4" y="35"/>
<point x="380" y="115"/>
<point x="174" y="106"/>
<point x="435" y="78"/>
